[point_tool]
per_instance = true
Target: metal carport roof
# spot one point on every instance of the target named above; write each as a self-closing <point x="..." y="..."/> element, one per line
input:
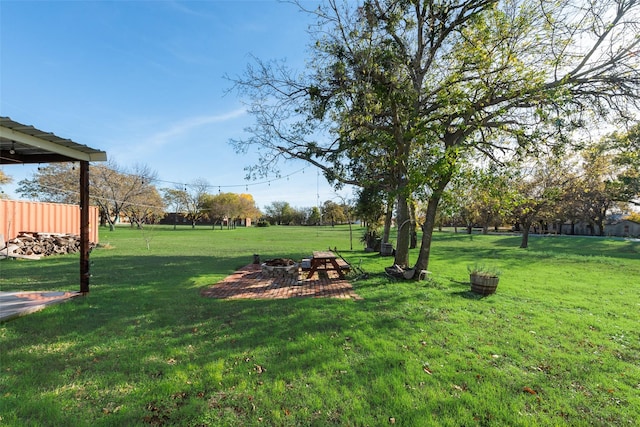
<point x="20" y="144"/>
<point x="26" y="144"/>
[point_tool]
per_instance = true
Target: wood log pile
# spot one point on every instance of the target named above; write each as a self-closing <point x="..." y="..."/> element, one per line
<point x="35" y="245"/>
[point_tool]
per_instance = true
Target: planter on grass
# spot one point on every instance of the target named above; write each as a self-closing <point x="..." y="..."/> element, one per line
<point x="483" y="285"/>
<point x="484" y="280"/>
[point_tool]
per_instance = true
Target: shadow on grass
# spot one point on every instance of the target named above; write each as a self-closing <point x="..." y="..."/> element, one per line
<point x="145" y="348"/>
<point x="546" y="245"/>
<point x="470" y="295"/>
<point x="144" y="326"/>
<point x="538" y="243"/>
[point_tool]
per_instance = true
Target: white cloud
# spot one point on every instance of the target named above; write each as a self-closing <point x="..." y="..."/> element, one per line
<point x="185" y="126"/>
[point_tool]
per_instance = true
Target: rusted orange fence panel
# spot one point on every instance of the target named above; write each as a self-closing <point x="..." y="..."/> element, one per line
<point x="17" y="216"/>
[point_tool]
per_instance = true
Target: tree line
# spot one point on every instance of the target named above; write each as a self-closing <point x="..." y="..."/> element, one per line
<point x="550" y="191"/>
<point x="131" y="194"/>
<point x="329" y="213"/>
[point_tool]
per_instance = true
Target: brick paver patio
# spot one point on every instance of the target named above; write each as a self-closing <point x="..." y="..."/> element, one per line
<point x="248" y="283"/>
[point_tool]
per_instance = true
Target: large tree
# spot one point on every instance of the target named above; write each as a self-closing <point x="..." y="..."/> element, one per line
<point x="624" y="147"/>
<point x="487" y="197"/>
<point x="195" y="200"/>
<point x="145" y="208"/>
<point x="113" y="188"/>
<point x="607" y="181"/>
<point x="247" y="207"/>
<point x="334" y="213"/>
<point x="403" y="91"/>
<point x="537" y="191"/>
<point x="175" y="199"/>
<point x="279" y="212"/>
<point x="232" y="207"/>
<point x="55" y="183"/>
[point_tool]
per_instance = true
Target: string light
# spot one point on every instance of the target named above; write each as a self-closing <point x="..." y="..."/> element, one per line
<point x="246" y="186"/>
<point x="177" y="184"/>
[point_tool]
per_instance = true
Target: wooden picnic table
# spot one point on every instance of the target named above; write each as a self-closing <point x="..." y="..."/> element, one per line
<point x="325" y="260"/>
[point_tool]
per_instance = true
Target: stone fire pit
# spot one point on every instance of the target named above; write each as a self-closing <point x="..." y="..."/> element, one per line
<point x="280" y="268"/>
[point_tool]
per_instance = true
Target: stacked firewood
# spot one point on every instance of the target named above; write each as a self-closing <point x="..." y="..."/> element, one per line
<point x="41" y="244"/>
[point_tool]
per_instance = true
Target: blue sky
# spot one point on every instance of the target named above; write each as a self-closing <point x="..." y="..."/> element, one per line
<point x="144" y="81"/>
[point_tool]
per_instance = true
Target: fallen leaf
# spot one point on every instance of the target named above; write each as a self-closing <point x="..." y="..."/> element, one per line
<point x="529" y="390"/>
<point x="427" y="370"/>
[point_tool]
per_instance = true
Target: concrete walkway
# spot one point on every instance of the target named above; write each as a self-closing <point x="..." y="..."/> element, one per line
<point x="15" y="304"/>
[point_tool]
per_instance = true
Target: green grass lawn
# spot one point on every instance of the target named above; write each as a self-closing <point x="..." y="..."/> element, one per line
<point x="558" y="344"/>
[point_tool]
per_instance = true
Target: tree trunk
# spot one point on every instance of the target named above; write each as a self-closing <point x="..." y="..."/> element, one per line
<point x="387" y="223"/>
<point x="414" y="234"/>
<point x="427" y="233"/>
<point x="404" y="232"/>
<point x="525" y="235"/>
<point x="599" y="222"/>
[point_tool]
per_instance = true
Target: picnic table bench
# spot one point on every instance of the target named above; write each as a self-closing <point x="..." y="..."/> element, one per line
<point x="327" y="261"/>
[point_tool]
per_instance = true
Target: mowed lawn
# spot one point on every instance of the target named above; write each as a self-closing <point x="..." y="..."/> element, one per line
<point x="558" y="344"/>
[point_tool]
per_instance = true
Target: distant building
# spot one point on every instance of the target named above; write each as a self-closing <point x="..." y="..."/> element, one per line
<point x="622" y="228"/>
<point x="178" y="218"/>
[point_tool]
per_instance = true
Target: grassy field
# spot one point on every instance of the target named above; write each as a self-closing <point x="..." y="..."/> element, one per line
<point x="558" y="344"/>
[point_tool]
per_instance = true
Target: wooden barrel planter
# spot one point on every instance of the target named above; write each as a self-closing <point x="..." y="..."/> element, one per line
<point x="483" y="285"/>
<point x="386" y="249"/>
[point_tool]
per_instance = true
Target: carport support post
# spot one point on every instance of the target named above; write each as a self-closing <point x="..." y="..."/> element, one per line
<point x="84" y="227"/>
